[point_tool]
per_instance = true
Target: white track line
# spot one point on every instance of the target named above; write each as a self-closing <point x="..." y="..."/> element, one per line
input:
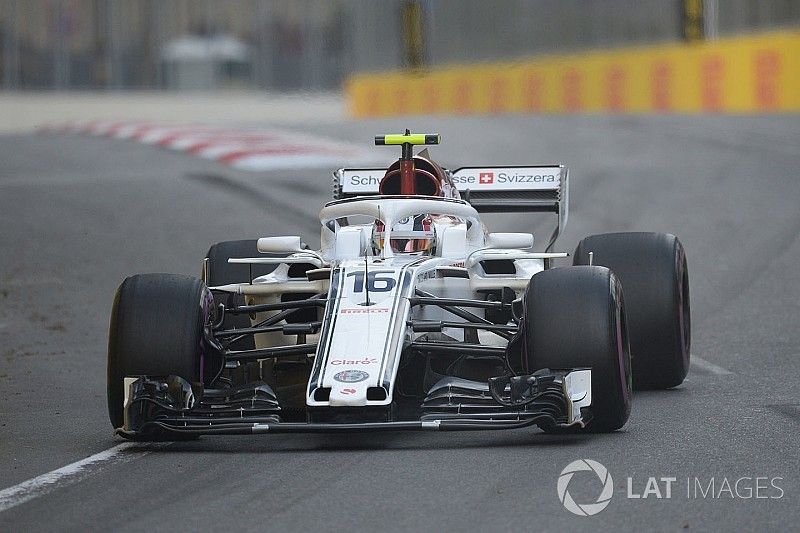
<point x="710" y="367"/>
<point x="72" y="473"/>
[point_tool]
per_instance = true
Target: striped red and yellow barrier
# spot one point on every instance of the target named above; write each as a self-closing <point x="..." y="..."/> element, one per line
<point x="756" y="73"/>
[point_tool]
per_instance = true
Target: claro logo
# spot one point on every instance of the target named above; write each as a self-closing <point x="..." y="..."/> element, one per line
<point x="365" y="361"/>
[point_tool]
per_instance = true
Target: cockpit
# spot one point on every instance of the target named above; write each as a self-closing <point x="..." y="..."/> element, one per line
<point x="415" y="234"/>
<point x="389" y="226"/>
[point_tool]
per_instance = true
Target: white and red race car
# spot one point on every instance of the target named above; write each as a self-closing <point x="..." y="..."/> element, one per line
<point x="410" y="316"/>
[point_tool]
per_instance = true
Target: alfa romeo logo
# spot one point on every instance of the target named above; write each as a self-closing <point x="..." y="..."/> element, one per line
<point x="585" y="509"/>
<point x="350" y="376"/>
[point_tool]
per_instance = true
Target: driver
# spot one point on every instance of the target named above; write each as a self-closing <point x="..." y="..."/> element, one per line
<point x="414" y="234"/>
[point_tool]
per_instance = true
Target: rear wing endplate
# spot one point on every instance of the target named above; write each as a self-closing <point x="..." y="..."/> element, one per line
<point x="508" y="189"/>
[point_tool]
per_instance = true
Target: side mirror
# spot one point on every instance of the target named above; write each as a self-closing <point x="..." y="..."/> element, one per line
<point x="507" y="241"/>
<point x="280" y="245"/>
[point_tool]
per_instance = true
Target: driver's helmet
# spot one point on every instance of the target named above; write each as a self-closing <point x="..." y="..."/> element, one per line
<point x="429" y="178"/>
<point x="414" y="234"/>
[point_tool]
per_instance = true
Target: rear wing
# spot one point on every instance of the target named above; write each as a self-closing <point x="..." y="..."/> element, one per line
<point x="508" y="189"/>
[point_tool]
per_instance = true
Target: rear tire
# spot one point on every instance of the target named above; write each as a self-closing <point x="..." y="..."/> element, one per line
<point x="653" y="272"/>
<point x="574" y="318"/>
<point x="220" y="272"/>
<point x="156" y="329"/>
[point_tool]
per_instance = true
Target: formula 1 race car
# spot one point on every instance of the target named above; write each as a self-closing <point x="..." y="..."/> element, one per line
<point x="411" y="316"/>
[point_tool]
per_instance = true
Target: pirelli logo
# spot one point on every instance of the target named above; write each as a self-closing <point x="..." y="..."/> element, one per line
<point x="363" y="310"/>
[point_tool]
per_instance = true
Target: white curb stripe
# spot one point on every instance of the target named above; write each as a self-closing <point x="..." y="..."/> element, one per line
<point x="245" y="149"/>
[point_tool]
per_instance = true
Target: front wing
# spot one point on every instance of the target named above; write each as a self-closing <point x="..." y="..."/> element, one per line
<point x="170" y="407"/>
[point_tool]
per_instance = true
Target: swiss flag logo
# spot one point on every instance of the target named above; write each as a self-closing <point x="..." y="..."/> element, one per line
<point x="486" y="177"/>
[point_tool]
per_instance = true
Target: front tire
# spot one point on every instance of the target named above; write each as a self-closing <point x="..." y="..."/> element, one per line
<point x="652" y="269"/>
<point x="156" y="329"/>
<point x="574" y="318"/>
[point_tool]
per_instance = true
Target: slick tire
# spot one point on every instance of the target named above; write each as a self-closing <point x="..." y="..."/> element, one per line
<point x="220" y="272"/>
<point x="654" y="276"/>
<point x="574" y="317"/>
<point x="156" y="329"/>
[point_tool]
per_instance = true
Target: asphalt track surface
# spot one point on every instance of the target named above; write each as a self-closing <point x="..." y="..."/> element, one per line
<point x="79" y="214"/>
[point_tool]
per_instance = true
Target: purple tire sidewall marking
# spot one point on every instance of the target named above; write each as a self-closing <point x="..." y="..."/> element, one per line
<point x="206" y="306"/>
